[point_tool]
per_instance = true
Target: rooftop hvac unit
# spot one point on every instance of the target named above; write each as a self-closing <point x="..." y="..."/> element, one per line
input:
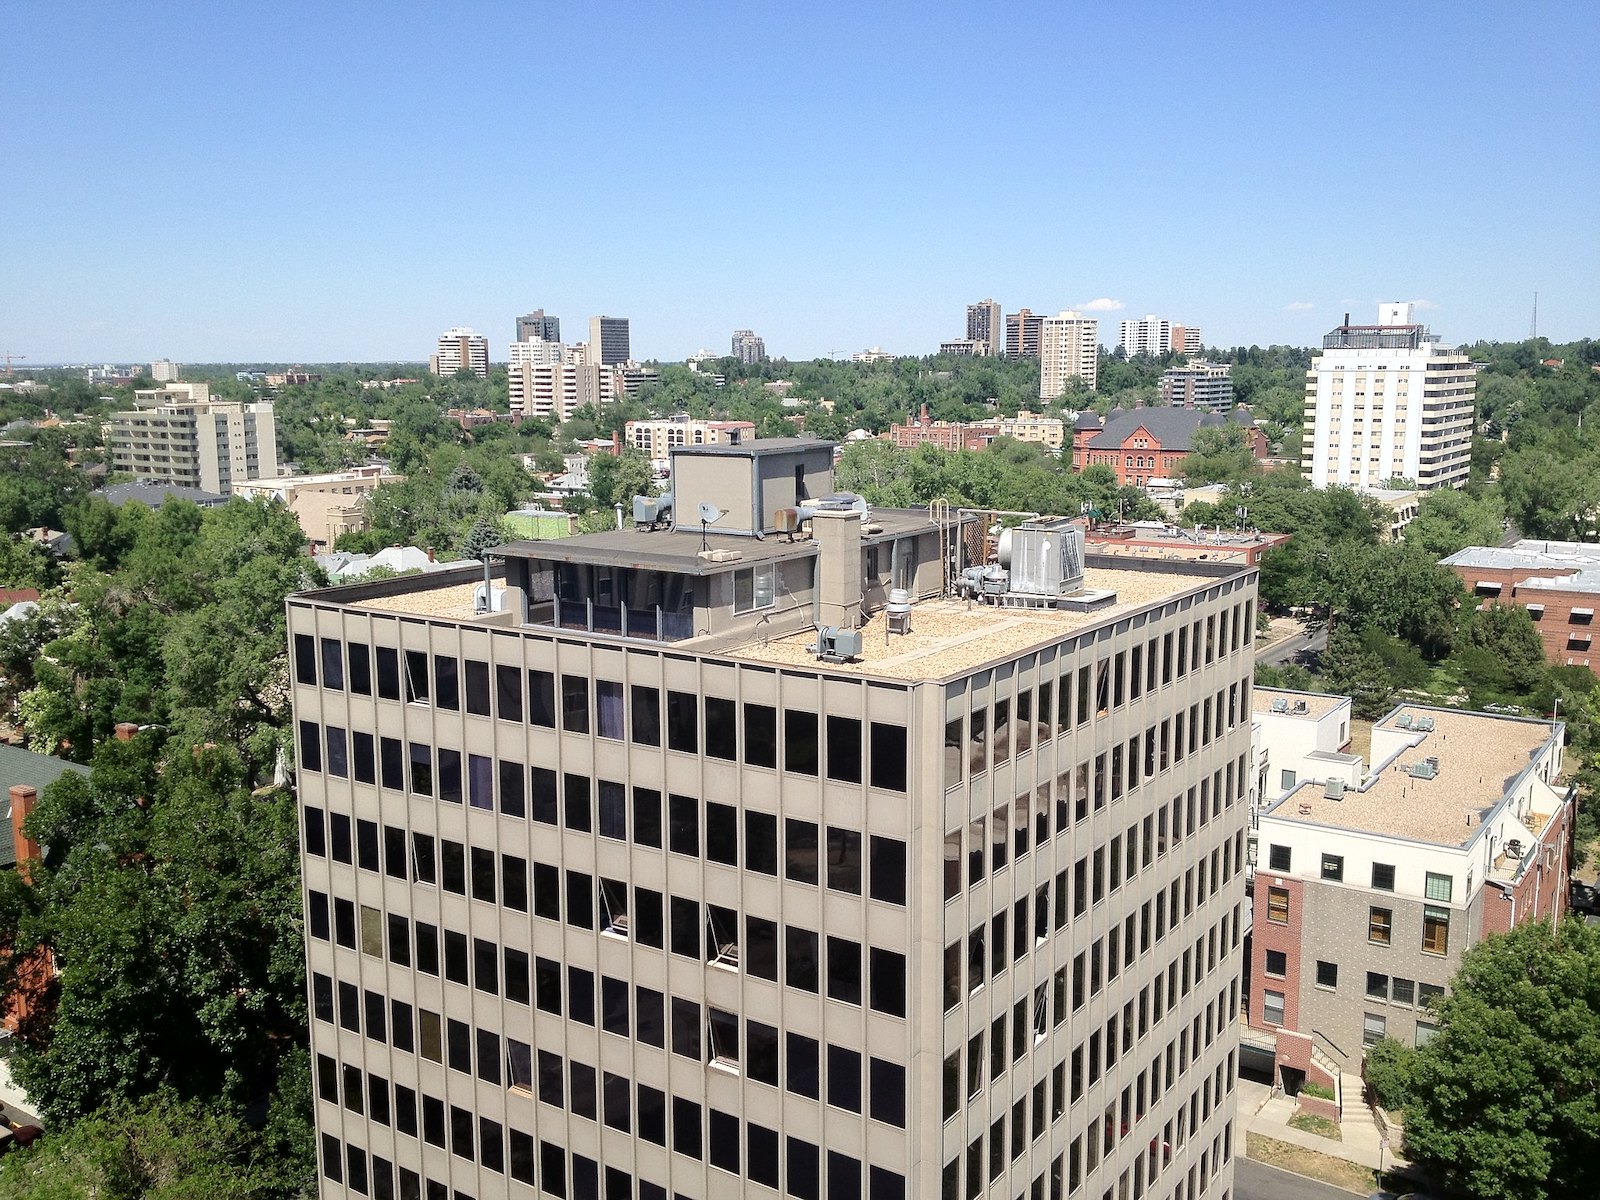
<point x="1300" y="708"/>
<point x="1424" y="725"/>
<point x="1335" y="789"/>
<point x="1427" y="768"/>
<point x="1403" y="721"/>
<point x="837" y="645"/>
<point x="1280" y="705"/>
<point x="1514" y="848"/>
<point x="1045" y="558"/>
<point x="898" y="611"/>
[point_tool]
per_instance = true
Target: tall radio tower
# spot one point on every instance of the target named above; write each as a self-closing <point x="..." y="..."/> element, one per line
<point x="1533" y="331"/>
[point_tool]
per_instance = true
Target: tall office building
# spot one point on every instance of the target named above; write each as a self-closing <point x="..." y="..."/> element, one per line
<point x="1069" y="348"/>
<point x="1022" y="334"/>
<point x="461" y="350"/>
<point x="983" y="325"/>
<point x="1151" y="337"/>
<point x="615" y="888"/>
<point x="1388" y="401"/>
<point x="164" y="370"/>
<point x="748" y="348"/>
<point x="536" y="327"/>
<point x="179" y="435"/>
<point x="608" y="340"/>
<point x="555" y="385"/>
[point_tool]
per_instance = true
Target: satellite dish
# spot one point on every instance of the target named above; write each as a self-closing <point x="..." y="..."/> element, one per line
<point x="710" y="514"/>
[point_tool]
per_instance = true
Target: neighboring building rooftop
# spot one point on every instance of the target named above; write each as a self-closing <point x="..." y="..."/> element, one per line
<point x="154" y="495"/>
<point x="1174" y="428"/>
<point x="1575" y="566"/>
<point x="1480" y="759"/>
<point x="1308" y="706"/>
<point x="27" y="769"/>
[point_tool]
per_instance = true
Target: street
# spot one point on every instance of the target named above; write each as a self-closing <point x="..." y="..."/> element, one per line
<point x="1290" y="648"/>
<point x="1257" y="1181"/>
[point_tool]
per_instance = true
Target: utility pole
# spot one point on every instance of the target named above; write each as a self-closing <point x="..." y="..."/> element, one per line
<point x="1533" y="330"/>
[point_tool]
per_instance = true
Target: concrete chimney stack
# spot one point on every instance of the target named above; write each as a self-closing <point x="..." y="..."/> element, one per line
<point x="838" y="536"/>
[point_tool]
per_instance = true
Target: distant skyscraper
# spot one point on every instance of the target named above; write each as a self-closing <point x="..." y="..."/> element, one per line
<point x="1022" y="334"/>
<point x="983" y="325"/>
<point x="461" y="349"/>
<point x="1069" y="348"/>
<point x="1151" y="337"/>
<point x="608" y="340"/>
<point x="538" y="327"/>
<point x="747" y="347"/>
<point x="164" y="370"/>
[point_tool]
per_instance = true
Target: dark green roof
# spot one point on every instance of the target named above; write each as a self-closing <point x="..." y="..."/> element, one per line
<point x="19" y="766"/>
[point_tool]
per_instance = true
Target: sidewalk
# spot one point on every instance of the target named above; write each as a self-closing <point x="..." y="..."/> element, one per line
<point x="1264" y="1112"/>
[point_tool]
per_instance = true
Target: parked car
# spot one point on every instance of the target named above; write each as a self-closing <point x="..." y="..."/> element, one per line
<point x="1583" y="898"/>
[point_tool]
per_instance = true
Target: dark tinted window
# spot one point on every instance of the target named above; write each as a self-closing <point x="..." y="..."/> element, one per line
<point x="761" y="842"/>
<point x="888" y="874"/>
<point x="478" y="688"/>
<point x="575" y="704"/>
<point x="316" y="838"/>
<point x="888" y="756"/>
<point x="542" y="699"/>
<point x="682" y="722"/>
<point x="722" y="833"/>
<point x="305" y="658"/>
<point x="545" y="807"/>
<point x="508" y="692"/>
<point x="646" y="722"/>
<point x="332" y="663"/>
<point x="447" y="684"/>
<point x="364" y="756"/>
<point x="800" y="850"/>
<point x="844" y="1078"/>
<point x="647" y="816"/>
<point x="450" y="775"/>
<point x="760" y="735"/>
<point x="388" y="673"/>
<point x="844" y="749"/>
<point x="683" y="825"/>
<point x="799" y="741"/>
<point x="579" y="803"/>
<point x="844" y="970"/>
<point x="844" y="860"/>
<point x="513" y="788"/>
<point x="722" y="728"/>
<point x="360" y="669"/>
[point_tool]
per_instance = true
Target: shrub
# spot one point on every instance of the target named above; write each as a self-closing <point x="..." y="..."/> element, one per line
<point x="1390" y="1068"/>
<point x="1316" y="1091"/>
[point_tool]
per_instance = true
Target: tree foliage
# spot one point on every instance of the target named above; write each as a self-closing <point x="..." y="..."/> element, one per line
<point x="1505" y="1101"/>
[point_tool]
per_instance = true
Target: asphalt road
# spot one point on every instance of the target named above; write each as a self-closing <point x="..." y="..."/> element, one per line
<point x="1257" y="1181"/>
<point x="1291" y="648"/>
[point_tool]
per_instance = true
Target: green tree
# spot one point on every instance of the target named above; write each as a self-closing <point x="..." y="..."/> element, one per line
<point x="618" y="479"/>
<point x="1505" y="1100"/>
<point x="1448" y="520"/>
<point x="1349" y="668"/>
<point x="1219" y="453"/>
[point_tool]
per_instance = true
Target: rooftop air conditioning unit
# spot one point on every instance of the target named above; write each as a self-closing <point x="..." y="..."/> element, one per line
<point x="1301" y="707"/>
<point x="1424" y="724"/>
<point x="1335" y="789"/>
<point x="837" y="645"/>
<point x="1427" y="768"/>
<point x="1403" y="721"/>
<point x="1280" y="705"/>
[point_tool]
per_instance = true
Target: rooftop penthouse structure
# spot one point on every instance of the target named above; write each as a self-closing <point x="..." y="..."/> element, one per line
<point x="741" y="856"/>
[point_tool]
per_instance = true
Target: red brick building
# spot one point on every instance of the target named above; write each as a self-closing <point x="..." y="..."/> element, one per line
<point x="1141" y="444"/>
<point x="1557" y="582"/>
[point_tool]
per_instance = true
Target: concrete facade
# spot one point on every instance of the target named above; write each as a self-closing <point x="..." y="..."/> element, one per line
<point x="325" y="505"/>
<point x="718" y="919"/>
<point x="179" y="435"/>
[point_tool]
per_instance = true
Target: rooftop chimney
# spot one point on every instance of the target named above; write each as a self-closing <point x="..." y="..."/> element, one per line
<point x="838" y="537"/>
<point x="22" y="801"/>
<point x="125" y="731"/>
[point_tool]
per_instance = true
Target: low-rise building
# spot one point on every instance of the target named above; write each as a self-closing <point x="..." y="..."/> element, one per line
<point x="1141" y="444"/>
<point x="1156" y="539"/>
<point x="1203" y="385"/>
<point x="324" y="505"/>
<point x="179" y="435"/>
<point x="1402" y="505"/>
<point x="1026" y="426"/>
<point x="1370" y="884"/>
<point x="1557" y="582"/>
<point x="659" y="437"/>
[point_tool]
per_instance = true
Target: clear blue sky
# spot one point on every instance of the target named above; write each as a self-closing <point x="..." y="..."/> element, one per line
<point x="332" y="181"/>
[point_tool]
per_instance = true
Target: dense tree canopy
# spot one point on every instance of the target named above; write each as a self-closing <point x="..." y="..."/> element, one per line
<point x="1504" y="1102"/>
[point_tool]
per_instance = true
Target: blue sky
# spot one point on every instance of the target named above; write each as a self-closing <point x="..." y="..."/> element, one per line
<point x="322" y="182"/>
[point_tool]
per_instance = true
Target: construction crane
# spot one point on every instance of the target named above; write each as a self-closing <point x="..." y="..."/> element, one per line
<point x="10" y="358"/>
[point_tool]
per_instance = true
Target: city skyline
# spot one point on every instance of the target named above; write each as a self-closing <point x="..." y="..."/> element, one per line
<point x="293" y="224"/>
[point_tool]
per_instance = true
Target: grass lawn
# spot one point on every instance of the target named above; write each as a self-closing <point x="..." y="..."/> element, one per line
<point x="1348" y="1175"/>
<point x="1321" y="1126"/>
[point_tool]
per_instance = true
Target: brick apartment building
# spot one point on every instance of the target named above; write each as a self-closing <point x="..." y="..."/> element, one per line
<point x="1370" y="884"/>
<point x="1557" y="582"/>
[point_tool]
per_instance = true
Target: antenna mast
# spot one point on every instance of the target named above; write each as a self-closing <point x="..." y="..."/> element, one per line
<point x="1533" y="332"/>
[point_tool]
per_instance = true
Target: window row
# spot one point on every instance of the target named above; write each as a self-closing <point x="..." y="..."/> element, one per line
<point x="1380" y="925"/>
<point x="1436" y="886"/>
<point x="1084" y="1154"/>
<point x="829" y="856"/>
<point x="1397" y="990"/>
<point x="988" y="844"/>
<point x="836" y="746"/>
<point x="989" y="951"/>
<point x="838" y="967"/>
<point x="744" y="1148"/>
<point x="992" y="734"/>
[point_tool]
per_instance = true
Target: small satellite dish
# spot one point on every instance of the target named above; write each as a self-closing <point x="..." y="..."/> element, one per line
<point x="710" y="514"/>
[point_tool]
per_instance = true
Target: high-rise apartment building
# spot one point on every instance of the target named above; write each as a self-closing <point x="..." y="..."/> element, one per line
<point x="983" y="325"/>
<point x="748" y="348"/>
<point x="608" y="341"/>
<point x="179" y="435"/>
<point x="1150" y="337"/>
<point x="1069" y="348"/>
<point x="615" y="888"/>
<point x="1388" y="401"/>
<point x="1200" y="384"/>
<point x="461" y="350"/>
<point x="536" y="327"/>
<point x="164" y="370"/>
<point x="554" y="384"/>
<point x="1186" y="339"/>
<point x="1022" y="334"/>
